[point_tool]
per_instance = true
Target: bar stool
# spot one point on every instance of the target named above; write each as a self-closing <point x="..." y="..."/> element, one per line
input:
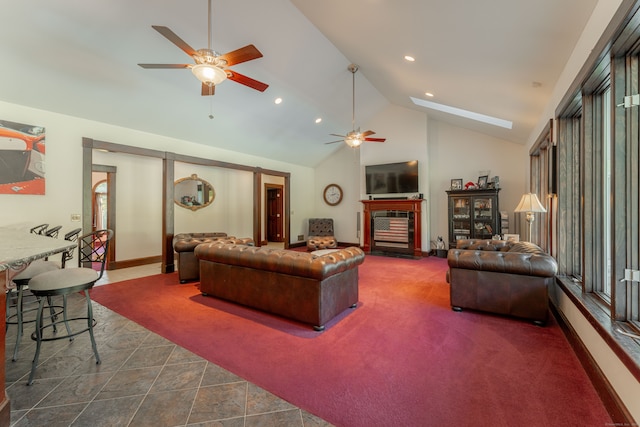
<point x="92" y="249"/>
<point x="24" y="304"/>
<point x="53" y="232"/>
<point x="71" y="236"/>
<point x="40" y="229"/>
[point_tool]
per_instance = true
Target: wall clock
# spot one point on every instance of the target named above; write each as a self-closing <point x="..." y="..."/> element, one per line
<point x="332" y="194"/>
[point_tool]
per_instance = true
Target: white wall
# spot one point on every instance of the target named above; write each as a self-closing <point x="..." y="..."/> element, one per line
<point x="342" y="168"/>
<point x="138" y="203"/>
<point x="455" y="152"/>
<point x="443" y="152"/>
<point x="406" y="133"/>
<point x="232" y="208"/>
<point x="140" y="220"/>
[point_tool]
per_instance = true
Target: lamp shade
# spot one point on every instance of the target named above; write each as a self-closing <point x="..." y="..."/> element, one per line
<point x="209" y="74"/>
<point x="530" y="203"/>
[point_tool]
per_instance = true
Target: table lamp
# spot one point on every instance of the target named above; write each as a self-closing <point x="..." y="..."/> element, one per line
<point x="530" y="204"/>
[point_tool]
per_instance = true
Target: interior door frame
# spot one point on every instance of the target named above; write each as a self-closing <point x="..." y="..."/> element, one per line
<point x="168" y="160"/>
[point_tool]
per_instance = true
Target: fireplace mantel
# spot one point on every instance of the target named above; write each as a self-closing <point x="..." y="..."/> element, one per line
<point x="403" y="205"/>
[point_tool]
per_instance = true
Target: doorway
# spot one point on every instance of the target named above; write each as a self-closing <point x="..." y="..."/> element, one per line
<point x="103" y="204"/>
<point x="274" y="209"/>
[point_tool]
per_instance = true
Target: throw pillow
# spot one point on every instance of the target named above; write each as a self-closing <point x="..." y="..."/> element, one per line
<point x="526" y="247"/>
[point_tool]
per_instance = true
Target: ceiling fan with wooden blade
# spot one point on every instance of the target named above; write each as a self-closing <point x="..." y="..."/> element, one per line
<point x="355" y="138"/>
<point x="210" y="67"/>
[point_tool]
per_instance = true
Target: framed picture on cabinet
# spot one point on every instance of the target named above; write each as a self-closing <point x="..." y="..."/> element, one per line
<point x="456" y="184"/>
<point x="482" y="181"/>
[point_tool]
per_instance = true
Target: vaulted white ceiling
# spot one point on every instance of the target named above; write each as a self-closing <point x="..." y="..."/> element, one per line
<point x="499" y="58"/>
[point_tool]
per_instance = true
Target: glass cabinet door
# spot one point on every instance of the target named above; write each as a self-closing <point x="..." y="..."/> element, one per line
<point x="473" y="214"/>
<point x="461" y="217"/>
<point x="483" y="218"/>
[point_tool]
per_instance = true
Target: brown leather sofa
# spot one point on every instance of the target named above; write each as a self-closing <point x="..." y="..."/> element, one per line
<point x="509" y="278"/>
<point x="184" y="245"/>
<point x="298" y="285"/>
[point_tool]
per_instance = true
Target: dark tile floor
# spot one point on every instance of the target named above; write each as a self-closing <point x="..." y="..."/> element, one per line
<point x="143" y="380"/>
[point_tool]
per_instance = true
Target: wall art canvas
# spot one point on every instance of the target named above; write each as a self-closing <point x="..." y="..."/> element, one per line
<point x="22" y="158"/>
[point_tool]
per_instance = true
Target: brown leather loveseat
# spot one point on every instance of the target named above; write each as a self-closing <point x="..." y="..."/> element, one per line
<point x="302" y="286"/>
<point x="185" y="243"/>
<point x="510" y="278"/>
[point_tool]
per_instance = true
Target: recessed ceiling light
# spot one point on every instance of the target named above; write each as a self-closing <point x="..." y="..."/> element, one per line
<point x="409" y="58"/>
<point x="463" y="113"/>
<point x="318" y="120"/>
<point x="429" y="94"/>
<point x="278" y="101"/>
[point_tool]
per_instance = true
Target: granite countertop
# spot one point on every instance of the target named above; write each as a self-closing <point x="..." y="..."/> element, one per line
<point x="19" y="247"/>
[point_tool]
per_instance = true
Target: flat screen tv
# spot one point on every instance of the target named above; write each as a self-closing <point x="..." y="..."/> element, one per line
<point x="392" y="178"/>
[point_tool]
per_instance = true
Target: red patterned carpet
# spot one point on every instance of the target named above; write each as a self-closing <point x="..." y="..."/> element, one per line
<point x="401" y="358"/>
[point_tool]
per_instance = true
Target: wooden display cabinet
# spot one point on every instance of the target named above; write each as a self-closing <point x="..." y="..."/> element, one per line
<point x="473" y="214"/>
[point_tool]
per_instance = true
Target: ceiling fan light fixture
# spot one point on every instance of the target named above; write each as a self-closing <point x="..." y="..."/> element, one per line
<point x="209" y="74"/>
<point x="353" y="142"/>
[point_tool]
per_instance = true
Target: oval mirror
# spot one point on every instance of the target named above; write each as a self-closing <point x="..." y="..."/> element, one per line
<point x="193" y="193"/>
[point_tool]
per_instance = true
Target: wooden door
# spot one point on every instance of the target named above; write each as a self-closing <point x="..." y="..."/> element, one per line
<point x="274" y="211"/>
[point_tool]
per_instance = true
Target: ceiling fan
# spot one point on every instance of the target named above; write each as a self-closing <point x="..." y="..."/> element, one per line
<point x="355" y="138"/>
<point x="211" y="67"/>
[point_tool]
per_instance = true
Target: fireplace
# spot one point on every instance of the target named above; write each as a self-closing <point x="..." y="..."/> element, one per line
<point x="392" y="231"/>
<point x="392" y="227"/>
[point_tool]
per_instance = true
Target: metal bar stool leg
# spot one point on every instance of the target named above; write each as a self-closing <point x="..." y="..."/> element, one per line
<point x="53" y="314"/>
<point x="20" y="326"/>
<point x="9" y="297"/>
<point x="64" y="315"/>
<point x="90" y="326"/>
<point x="38" y="334"/>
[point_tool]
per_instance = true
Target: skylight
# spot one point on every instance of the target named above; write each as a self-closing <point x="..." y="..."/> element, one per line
<point x="463" y="113"/>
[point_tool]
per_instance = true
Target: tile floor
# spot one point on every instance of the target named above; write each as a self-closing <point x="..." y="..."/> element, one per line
<point x="143" y="380"/>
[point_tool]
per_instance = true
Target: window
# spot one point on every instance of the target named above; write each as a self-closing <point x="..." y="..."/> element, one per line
<point x="597" y="222"/>
<point x="569" y="217"/>
<point x="541" y="175"/>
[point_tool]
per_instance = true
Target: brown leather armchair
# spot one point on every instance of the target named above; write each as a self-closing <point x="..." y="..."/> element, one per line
<point x="321" y="234"/>
<point x="510" y="278"/>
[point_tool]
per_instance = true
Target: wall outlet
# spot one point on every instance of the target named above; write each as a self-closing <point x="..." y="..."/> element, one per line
<point x="75" y="217"/>
<point x="300" y="237"/>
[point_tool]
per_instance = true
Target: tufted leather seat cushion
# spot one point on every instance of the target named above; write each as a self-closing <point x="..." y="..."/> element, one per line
<point x="315" y="243"/>
<point x="321" y="234"/>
